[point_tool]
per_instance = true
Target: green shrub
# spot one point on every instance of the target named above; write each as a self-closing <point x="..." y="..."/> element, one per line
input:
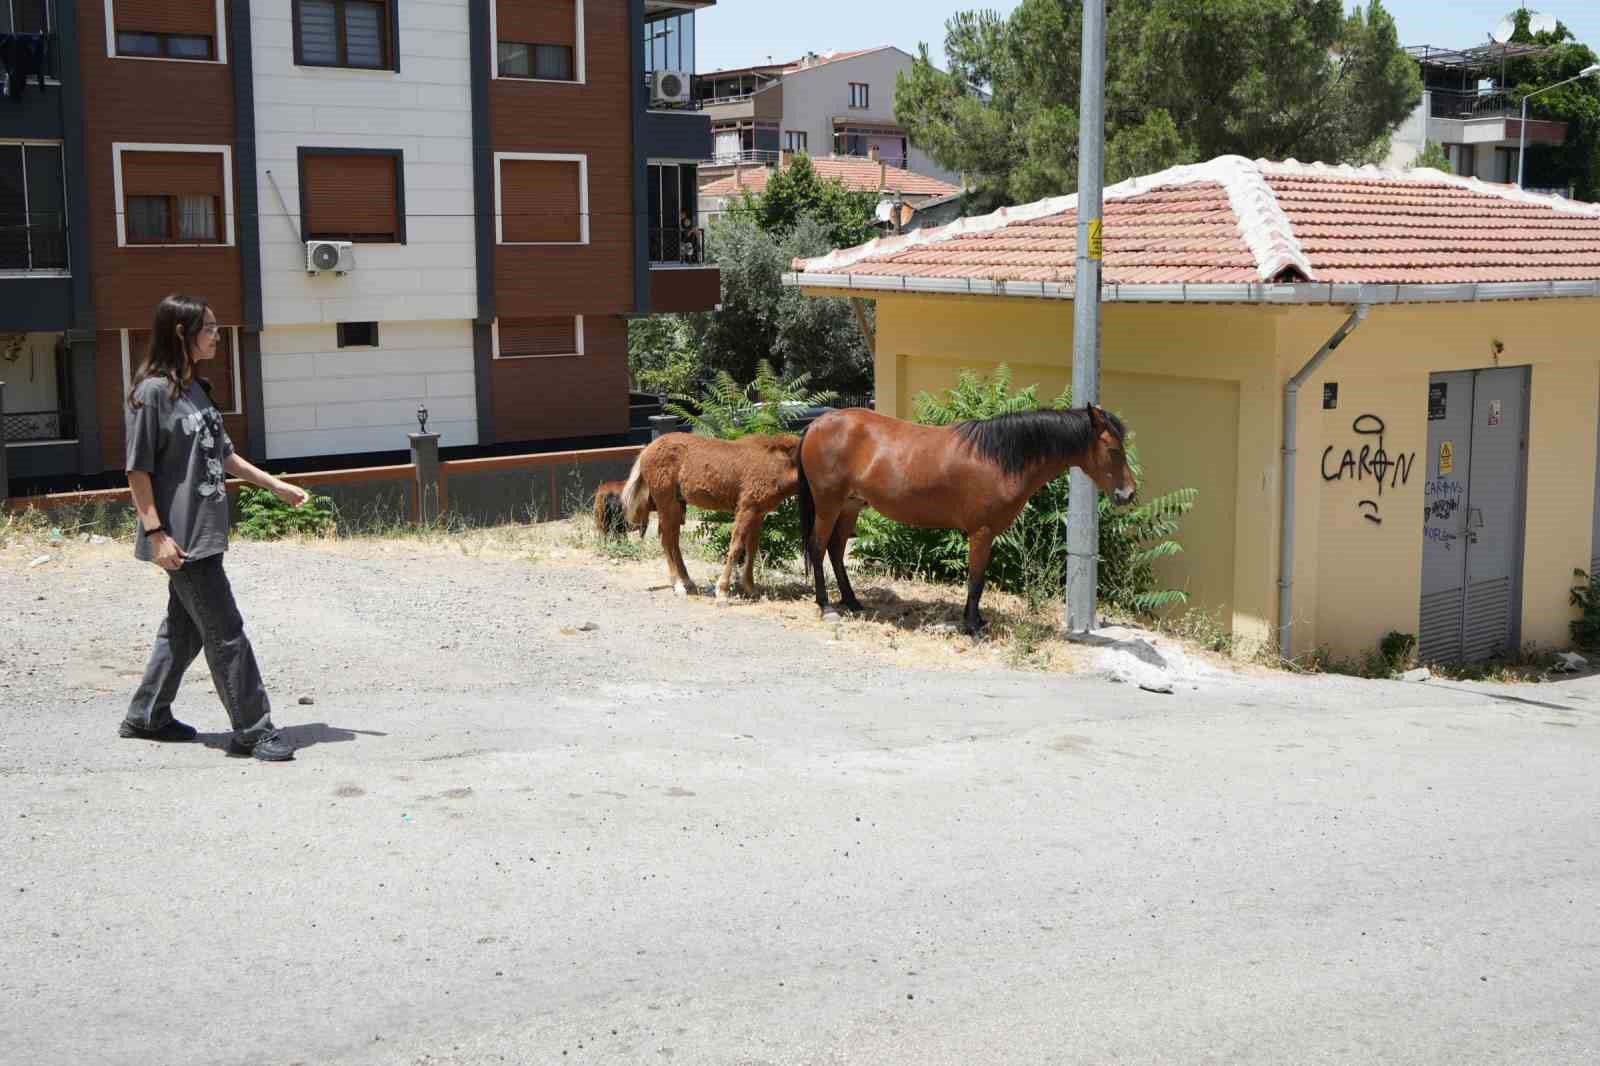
<point x="1030" y="558"/>
<point x="1586" y="630"/>
<point x="262" y="516"/>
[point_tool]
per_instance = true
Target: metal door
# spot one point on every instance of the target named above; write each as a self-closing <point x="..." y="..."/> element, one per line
<point x="1473" y="514"/>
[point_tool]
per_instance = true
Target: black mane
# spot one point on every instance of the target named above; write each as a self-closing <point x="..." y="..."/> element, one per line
<point x="1015" y="442"/>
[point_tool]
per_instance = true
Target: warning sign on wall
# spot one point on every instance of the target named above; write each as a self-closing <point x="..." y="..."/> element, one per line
<point x="1494" y="412"/>
<point x="1447" y="457"/>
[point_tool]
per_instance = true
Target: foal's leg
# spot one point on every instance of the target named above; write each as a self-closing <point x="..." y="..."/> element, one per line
<point x="752" y="544"/>
<point x="743" y="520"/>
<point x="981" y="543"/>
<point x="669" y="518"/>
<point x="836" y="544"/>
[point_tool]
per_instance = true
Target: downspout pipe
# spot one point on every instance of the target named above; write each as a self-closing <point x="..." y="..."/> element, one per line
<point x="1291" y="397"/>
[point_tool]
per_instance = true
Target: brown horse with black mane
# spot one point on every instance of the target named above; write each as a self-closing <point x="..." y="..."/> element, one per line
<point x="973" y="476"/>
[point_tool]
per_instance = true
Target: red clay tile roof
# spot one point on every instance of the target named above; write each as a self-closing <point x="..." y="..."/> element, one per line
<point x="1237" y="221"/>
<point x="793" y="66"/>
<point x="855" y="172"/>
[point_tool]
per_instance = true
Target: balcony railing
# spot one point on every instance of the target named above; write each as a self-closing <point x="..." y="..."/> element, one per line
<point x="676" y="246"/>
<point x="28" y="427"/>
<point x="33" y="241"/>
<point x="744" y="155"/>
<point x="1443" y="104"/>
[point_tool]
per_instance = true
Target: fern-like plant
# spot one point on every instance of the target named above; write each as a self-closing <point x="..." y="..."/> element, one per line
<point x="1030" y="558"/>
<point x="729" y="410"/>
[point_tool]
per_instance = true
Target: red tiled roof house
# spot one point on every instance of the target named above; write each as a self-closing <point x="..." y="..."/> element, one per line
<point x="1443" y="452"/>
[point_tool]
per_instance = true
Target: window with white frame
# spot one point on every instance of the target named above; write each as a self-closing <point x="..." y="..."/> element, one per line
<point x="173" y="194"/>
<point x="541" y="198"/>
<point x="538" y="338"/>
<point x="539" y="40"/>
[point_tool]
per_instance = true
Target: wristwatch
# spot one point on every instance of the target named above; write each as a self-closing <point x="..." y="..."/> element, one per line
<point x="158" y="529"/>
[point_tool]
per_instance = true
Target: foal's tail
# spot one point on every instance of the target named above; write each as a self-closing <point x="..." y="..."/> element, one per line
<point x="808" y="502"/>
<point x="636" y="496"/>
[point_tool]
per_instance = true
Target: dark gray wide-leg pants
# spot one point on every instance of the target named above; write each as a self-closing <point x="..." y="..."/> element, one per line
<point x="202" y="615"/>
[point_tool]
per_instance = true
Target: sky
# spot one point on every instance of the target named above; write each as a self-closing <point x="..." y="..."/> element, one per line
<point x="738" y="33"/>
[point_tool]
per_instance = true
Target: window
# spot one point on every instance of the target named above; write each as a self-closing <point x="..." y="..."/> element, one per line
<point x="794" y="140"/>
<point x="362" y="34"/>
<point x="669" y="43"/>
<point x="221" y="372"/>
<point x="33" y="220"/>
<point x="538" y="338"/>
<point x="350" y="194"/>
<point x="358" y="334"/>
<point x="539" y="39"/>
<point x="675" y="232"/>
<point x="858" y="94"/>
<point x="164" y="29"/>
<point x="172" y="197"/>
<point x="542" y="199"/>
<point x="27" y="16"/>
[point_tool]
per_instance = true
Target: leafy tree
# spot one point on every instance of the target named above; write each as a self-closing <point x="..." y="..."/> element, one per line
<point x="664" y="354"/>
<point x="798" y="192"/>
<point x="1186" y="80"/>
<point x="1576" y="162"/>
<point x="760" y="319"/>
<point x="1432" y="156"/>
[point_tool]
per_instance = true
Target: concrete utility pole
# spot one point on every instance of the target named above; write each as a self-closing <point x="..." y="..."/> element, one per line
<point x="1083" y="524"/>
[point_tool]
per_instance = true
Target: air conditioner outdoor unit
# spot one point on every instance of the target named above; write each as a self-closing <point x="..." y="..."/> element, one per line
<point x="671" y="87"/>
<point x="323" y="256"/>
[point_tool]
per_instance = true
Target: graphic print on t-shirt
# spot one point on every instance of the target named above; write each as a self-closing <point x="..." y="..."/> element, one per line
<point x="207" y="426"/>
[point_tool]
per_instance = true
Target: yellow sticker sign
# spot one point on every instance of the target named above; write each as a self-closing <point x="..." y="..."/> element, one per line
<point x="1096" y="245"/>
<point x="1447" y="457"/>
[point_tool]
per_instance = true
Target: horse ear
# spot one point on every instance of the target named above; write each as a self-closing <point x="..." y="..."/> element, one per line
<point x="1097" y="417"/>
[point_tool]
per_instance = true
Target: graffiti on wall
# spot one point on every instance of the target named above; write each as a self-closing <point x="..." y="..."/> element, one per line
<point x="1441" y="499"/>
<point x="1370" y="464"/>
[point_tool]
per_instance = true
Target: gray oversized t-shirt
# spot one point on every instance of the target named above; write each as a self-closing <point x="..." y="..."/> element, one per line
<point x="181" y="444"/>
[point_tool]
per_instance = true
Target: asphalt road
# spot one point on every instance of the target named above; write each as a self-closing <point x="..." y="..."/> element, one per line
<point x="704" y="838"/>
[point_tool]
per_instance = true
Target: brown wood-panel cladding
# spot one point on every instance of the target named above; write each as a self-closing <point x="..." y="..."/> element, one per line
<point x="541" y="200"/>
<point x="132" y="101"/>
<point x="197" y="17"/>
<point x="538" y="21"/>
<point x="685" y="289"/>
<point x="352" y="195"/>
<point x="581" y="396"/>
<point x="593" y="119"/>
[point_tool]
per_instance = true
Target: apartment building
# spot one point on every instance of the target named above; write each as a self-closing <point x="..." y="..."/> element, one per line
<point x="390" y="204"/>
<point x="824" y="104"/>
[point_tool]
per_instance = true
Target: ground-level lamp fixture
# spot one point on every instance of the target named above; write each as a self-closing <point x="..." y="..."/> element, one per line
<point x="1522" y="130"/>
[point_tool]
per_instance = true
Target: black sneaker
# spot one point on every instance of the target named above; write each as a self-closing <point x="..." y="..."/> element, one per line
<point x="174" y="732"/>
<point x="270" y="748"/>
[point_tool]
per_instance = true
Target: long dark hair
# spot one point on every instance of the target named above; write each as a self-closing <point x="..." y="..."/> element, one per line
<point x="170" y="356"/>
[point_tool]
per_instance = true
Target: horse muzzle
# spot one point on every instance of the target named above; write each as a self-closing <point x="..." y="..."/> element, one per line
<point x="1125" y="496"/>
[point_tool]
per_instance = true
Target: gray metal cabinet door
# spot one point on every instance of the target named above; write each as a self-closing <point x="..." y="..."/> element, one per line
<point x="1444" y="500"/>
<point x="1494" y="504"/>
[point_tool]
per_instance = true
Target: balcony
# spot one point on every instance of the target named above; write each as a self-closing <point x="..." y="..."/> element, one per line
<point x="1486" y="118"/>
<point x="36" y="427"/>
<point x="682" y="277"/>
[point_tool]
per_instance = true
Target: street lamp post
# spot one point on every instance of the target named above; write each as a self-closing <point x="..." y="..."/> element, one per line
<point x="1522" y="129"/>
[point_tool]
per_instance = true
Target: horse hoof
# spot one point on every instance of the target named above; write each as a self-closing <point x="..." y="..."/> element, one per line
<point x="683" y="590"/>
<point x="831" y="615"/>
<point x="853" y="606"/>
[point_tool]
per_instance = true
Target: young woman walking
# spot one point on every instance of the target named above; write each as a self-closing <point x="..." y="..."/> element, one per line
<point x="178" y="457"/>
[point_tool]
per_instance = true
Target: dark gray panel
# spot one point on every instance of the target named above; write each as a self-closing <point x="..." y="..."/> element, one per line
<point x="35" y="305"/>
<point x="248" y="216"/>
<point x="676" y="135"/>
<point x="482" y="174"/>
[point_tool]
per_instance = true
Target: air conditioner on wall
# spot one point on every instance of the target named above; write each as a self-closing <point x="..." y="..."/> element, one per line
<point x="671" y="87"/>
<point x="338" y="257"/>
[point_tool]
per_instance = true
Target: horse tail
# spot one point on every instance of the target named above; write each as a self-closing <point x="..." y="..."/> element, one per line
<point x="602" y="504"/>
<point x="808" y="502"/>
<point x="636" y="495"/>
